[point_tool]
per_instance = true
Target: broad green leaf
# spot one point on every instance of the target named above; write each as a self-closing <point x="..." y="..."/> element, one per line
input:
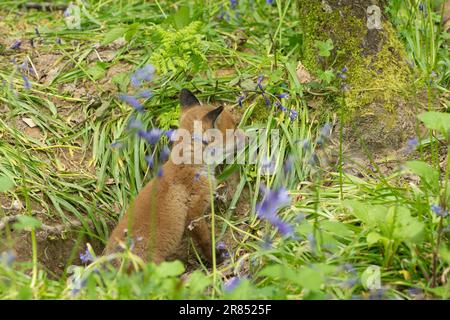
<point x="113" y="35"/>
<point x="182" y="18"/>
<point x="405" y="227"/>
<point x="436" y="120"/>
<point x="371" y="277"/>
<point x="6" y="184"/>
<point x="310" y="278"/>
<point x="97" y="71"/>
<point x="27" y="222"/>
<point x="373" y="237"/>
<point x="425" y="172"/>
<point x="170" y="269"/>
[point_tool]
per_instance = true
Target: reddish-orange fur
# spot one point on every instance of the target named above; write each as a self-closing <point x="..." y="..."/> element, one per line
<point x="173" y="200"/>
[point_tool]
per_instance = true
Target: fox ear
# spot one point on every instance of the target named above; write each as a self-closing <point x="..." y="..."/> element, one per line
<point x="214" y="114"/>
<point x="187" y="99"/>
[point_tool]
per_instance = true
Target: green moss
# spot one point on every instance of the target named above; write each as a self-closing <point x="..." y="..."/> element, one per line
<point x="383" y="77"/>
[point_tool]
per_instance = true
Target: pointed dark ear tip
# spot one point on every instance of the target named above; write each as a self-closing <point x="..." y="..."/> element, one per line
<point x="187" y="98"/>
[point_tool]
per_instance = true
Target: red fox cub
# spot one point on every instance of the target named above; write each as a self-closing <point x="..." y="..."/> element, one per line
<point x="156" y="221"/>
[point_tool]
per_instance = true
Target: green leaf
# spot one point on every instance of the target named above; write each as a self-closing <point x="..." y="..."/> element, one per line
<point x="6" y="184"/>
<point x="113" y="35"/>
<point x="337" y="228"/>
<point x="310" y="279"/>
<point x="181" y="18"/>
<point x="324" y="47"/>
<point x="405" y="227"/>
<point x="373" y="237"/>
<point x="27" y="222"/>
<point x="326" y="76"/>
<point x="436" y="121"/>
<point x="198" y="282"/>
<point x="97" y="71"/>
<point x="371" y="277"/>
<point x="170" y="269"/>
<point x="121" y="80"/>
<point x="427" y="173"/>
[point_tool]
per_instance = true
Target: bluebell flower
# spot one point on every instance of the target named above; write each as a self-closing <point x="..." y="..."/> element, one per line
<point x="278" y="105"/>
<point x="152" y="137"/>
<point x="284" y="228"/>
<point x="58" y="40"/>
<point x="7" y="257"/>
<point x="132" y="101"/>
<point x="313" y="160"/>
<point x="197" y="177"/>
<point x="283" y="96"/>
<point x="312" y="242"/>
<point x="439" y="211"/>
<point x="239" y="100"/>
<point x="269" y="2"/>
<point x="259" y="81"/>
<point x="288" y="164"/>
<point x="16" y="45"/>
<point x="267" y="166"/>
<point x="146" y="73"/>
<point x="134" y="123"/>
<point x="150" y="161"/>
<point x="231" y="284"/>
<point x="145" y="94"/>
<point x="116" y="145"/>
<point x="306" y="144"/>
<point x="266" y="243"/>
<point x="169" y="133"/>
<point x="233" y="4"/>
<point x="274" y="200"/>
<point x="160" y="172"/>
<point x="293" y="114"/>
<point x="377" y="294"/>
<point x="86" y="256"/>
<point x="411" y="145"/>
<point x="26" y="82"/>
<point x="77" y="285"/>
<point x="421" y="8"/>
<point x="326" y="130"/>
<point x="165" y="153"/>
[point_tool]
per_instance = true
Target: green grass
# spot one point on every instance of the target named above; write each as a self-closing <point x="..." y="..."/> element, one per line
<point x="71" y="173"/>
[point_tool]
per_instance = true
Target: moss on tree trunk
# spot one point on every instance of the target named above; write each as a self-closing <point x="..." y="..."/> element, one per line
<point x="379" y="91"/>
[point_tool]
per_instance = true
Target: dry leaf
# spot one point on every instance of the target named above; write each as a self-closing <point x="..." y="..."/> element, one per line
<point x="29" y="122"/>
<point x="303" y="75"/>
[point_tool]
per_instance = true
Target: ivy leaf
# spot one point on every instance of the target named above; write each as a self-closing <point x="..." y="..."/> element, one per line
<point x="324" y="47"/>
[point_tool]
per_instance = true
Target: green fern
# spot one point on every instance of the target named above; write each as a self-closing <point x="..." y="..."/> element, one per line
<point x="179" y="50"/>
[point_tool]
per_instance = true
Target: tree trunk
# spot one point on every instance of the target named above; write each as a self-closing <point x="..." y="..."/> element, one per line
<point x="377" y="95"/>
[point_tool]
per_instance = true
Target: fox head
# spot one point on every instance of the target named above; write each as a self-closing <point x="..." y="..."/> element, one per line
<point x="205" y="131"/>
